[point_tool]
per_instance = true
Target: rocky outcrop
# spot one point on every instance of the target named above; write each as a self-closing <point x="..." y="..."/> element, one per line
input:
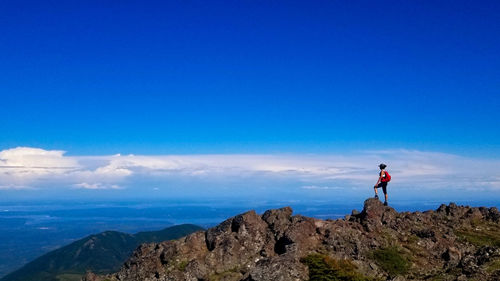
<point x="451" y="243"/>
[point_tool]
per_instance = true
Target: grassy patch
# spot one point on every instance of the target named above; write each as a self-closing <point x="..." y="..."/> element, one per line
<point x="182" y="265"/>
<point x="493" y="266"/>
<point x="481" y="234"/>
<point x="413" y="238"/>
<point x="324" y="268"/>
<point x="392" y="260"/>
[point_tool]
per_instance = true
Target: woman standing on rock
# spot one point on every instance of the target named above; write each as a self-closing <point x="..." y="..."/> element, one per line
<point x="383" y="179"/>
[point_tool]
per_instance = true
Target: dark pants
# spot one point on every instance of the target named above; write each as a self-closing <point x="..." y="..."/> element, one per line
<point x="384" y="186"/>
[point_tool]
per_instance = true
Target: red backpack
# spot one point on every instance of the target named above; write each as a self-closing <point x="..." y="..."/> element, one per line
<point x="387" y="177"/>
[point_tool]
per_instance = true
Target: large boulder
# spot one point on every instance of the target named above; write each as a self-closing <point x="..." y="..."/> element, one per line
<point x="375" y="214"/>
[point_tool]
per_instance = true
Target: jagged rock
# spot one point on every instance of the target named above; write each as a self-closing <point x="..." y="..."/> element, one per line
<point x="474" y="214"/>
<point x="494" y="214"/>
<point x="425" y="233"/>
<point x="281" y="268"/>
<point x="89" y="276"/>
<point x="441" y="209"/>
<point x="452" y="256"/>
<point x="469" y="264"/>
<point x="249" y="247"/>
<point x="375" y="214"/>
<point x="486" y="254"/>
<point x="373" y="210"/>
<point x="278" y="220"/>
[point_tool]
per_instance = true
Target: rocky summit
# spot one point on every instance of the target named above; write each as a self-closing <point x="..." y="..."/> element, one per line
<point x="378" y="243"/>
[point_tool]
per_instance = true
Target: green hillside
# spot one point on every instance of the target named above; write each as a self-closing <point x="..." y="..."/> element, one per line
<point x="102" y="253"/>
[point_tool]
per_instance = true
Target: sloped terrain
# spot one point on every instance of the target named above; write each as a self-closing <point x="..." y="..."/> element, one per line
<point x="103" y="253"/>
<point x="450" y="243"/>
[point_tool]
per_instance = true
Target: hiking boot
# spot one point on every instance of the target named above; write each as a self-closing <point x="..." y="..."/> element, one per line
<point x="385" y="203"/>
<point x="376" y="196"/>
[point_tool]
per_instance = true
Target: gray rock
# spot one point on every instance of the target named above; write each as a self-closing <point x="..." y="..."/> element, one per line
<point x="249" y="247"/>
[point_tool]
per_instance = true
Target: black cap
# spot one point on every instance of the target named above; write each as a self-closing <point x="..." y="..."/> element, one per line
<point x="382" y="166"/>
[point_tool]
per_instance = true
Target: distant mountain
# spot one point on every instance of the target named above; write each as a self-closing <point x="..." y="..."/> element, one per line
<point x="104" y="253"/>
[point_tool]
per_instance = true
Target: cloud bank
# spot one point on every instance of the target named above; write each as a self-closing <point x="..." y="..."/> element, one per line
<point x="26" y="167"/>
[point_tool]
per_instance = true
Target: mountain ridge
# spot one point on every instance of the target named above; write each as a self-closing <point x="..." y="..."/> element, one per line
<point x="449" y="243"/>
<point x="103" y="253"/>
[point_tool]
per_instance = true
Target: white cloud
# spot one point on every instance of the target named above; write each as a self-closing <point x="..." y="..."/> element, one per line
<point x="21" y="166"/>
<point x="25" y="167"/>
<point x="85" y="185"/>
<point x="35" y="158"/>
<point x="316" y="187"/>
<point x="15" y="187"/>
<point x="26" y="161"/>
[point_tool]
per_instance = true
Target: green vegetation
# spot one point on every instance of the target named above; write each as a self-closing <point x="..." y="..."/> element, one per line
<point x="481" y="234"/>
<point x="182" y="265"/>
<point x="226" y="275"/>
<point x="392" y="260"/>
<point x="493" y="266"/>
<point x="413" y="238"/>
<point x="325" y="268"/>
<point x="448" y="274"/>
<point x="101" y="253"/>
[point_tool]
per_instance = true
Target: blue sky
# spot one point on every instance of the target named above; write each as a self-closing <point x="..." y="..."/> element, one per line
<point x="98" y="78"/>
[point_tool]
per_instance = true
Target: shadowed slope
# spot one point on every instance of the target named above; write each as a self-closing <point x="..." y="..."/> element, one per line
<point x="104" y="252"/>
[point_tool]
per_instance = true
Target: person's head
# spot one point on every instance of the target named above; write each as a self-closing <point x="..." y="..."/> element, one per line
<point x="382" y="166"/>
